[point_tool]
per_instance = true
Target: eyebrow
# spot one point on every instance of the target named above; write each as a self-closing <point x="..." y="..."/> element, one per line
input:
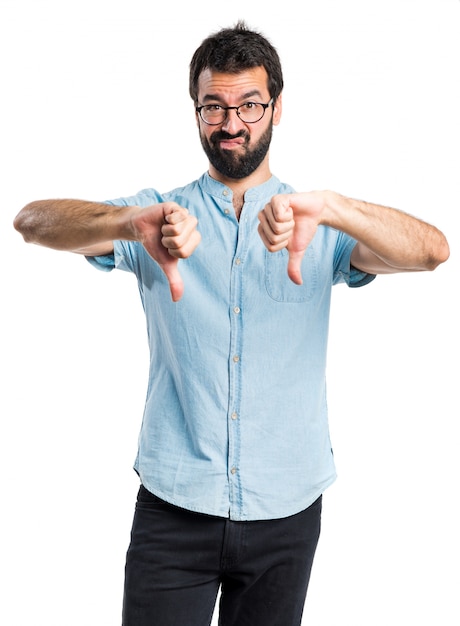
<point x="215" y="97"/>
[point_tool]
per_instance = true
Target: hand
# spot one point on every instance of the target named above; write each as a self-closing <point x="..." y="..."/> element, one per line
<point x="168" y="233"/>
<point x="290" y="221"/>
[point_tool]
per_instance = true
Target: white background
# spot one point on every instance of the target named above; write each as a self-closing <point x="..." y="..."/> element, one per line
<point x="94" y="105"/>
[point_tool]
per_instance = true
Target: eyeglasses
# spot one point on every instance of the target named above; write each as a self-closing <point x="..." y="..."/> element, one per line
<point x="249" y="112"/>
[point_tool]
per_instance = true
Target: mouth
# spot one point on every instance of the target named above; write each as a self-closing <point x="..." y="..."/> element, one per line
<point x="231" y="144"/>
<point x="228" y="142"/>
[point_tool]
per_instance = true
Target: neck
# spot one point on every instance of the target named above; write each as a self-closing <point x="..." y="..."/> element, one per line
<point x="240" y="186"/>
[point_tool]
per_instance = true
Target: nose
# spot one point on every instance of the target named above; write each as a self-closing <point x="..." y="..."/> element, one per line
<point x="232" y="122"/>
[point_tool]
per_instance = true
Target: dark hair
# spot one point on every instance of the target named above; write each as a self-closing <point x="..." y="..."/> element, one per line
<point x="233" y="50"/>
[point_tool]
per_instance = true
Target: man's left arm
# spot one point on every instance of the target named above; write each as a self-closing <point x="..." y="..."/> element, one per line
<point x="388" y="240"/>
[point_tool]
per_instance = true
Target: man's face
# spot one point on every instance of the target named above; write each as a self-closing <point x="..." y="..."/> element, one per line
<point x="235" y="149"/>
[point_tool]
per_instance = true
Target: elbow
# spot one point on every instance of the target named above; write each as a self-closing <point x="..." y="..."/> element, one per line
<point x="440" y="255"/>
<point x="20" y="224"/>
<point x="25" y="223"/>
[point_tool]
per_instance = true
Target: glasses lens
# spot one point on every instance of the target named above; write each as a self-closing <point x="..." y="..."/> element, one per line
<point x="251" y="112"/>
<point x="213" y="114"/>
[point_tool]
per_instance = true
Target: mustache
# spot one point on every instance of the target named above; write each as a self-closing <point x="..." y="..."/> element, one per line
<point x="220" y="135"/>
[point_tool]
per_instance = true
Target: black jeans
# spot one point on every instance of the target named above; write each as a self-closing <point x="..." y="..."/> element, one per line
<point x="178" y="560"/>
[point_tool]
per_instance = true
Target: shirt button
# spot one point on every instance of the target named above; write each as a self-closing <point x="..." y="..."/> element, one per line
<point x="234" y="416"/>
<point x="236" y="358"/>
<point x="236" y="309"/>
<point x="237" y="261"/>
<point x="227" y="211"/>
<point x="225" y="192"/>
<point x="233" y="470"/>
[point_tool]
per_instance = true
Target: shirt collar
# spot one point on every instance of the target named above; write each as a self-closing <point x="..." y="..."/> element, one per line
<point x="220" y="191"/>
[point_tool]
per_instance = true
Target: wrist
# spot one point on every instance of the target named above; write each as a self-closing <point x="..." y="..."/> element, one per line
<point x="330" y="208"/>
<point x="336" y="210"/>
<point x="124" y="223"/>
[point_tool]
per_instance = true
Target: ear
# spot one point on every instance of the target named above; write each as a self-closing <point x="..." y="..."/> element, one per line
<point x="277" y="108"/>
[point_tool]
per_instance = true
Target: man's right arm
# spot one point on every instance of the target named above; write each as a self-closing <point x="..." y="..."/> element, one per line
<point x="74" y="225"/>
<point x="166" y="230"/>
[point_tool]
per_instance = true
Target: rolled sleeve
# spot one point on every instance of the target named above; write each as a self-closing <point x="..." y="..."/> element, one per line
<point x="104" y="263"/>
<point x="345" y="272"/>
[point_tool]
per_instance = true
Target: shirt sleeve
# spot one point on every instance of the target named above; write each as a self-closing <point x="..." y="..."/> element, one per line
<point x="123" y="258"/>
<point x="104" y="263"/>
<point x="344" y="272"/>
<point x="124" y="252"/>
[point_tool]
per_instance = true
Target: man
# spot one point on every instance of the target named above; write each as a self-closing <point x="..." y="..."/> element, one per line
<point x="234" y="450"/>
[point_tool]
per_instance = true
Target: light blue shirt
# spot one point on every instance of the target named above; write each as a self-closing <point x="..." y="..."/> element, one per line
<point x="235" y="420"/>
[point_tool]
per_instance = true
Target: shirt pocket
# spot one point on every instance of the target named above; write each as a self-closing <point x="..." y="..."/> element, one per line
<point x="277" y="282"/>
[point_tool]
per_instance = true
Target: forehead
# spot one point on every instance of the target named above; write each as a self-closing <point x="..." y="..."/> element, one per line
<point x="224" y="86"/>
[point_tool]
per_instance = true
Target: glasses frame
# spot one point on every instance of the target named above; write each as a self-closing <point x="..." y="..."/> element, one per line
<point x="237" y="109"/>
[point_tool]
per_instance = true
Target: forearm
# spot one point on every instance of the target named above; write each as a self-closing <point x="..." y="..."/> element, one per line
<point x="390" y="239"/>
<point x="73" y="224"/>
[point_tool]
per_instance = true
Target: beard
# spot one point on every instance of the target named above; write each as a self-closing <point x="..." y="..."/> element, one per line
<point x="230" y="164"/>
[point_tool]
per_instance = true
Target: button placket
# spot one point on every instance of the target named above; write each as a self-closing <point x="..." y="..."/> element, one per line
<point x="235" y="371"/>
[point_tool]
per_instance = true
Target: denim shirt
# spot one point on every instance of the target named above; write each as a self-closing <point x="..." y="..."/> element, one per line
<point x="235" y="422"/>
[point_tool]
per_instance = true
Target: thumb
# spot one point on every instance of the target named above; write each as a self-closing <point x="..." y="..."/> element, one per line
<point x="176" y="285"/>
<point x="304" y="231"/>
<point x="294" y="265"/>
